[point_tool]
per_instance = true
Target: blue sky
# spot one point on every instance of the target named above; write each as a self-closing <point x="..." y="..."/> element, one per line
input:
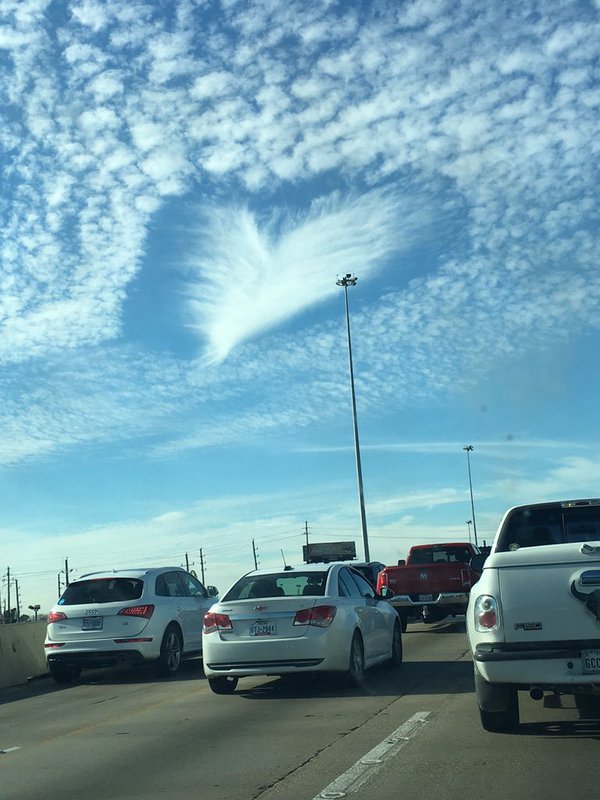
<point x="182" y="184"/>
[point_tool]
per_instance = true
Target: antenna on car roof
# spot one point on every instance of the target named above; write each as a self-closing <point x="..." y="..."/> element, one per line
<point x="284" y="564"/>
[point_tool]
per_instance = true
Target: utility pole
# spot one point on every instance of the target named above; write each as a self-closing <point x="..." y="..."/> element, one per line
<point x="187" y="563"/>
<point x="468" y="448"/>
<point x="255" y="554"/>
<point x="201" y="566"/>
<point x="350" y="280"/>
<point x="66" y="572"/>
<point x="8" y="593"/>
<point x="18" y="600"/>
<point x="306" y="532"/>
<point x="59" y="586"/>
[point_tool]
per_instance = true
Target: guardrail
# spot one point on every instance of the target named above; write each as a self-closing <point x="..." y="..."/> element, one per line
<point x="22" y="652"/>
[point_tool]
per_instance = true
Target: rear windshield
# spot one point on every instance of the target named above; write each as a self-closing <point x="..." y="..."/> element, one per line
<point x="101" y="590"/>
<point x="280" y="584"/>
<point x="444" y="554"/>
<point x="531" y="527"/>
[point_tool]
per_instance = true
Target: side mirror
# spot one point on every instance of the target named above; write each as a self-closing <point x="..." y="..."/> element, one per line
<point x="386" y="593"/>
<point x="212" y="591"/>
<point x="477" y="562"/>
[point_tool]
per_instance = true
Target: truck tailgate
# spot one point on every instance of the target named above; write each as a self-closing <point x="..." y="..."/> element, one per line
<point x="552" y="600"/>
<point x="430" y="579"/>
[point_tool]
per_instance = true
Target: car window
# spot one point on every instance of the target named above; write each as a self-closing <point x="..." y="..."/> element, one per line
<point x="535" y="526"/>
<point x="102" y="590"/>
<point x="282" y="584"/>
<point x="350" y="586"/>
<point x="191" y="585"/>
<point x="364" y="587"/>
<point x="168" y="584"/>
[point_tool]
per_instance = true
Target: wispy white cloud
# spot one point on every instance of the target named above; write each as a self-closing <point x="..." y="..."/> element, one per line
<point x="254" y="276"/>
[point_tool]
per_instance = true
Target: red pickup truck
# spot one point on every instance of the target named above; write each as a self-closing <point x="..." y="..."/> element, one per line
<point x="433" y="583"/>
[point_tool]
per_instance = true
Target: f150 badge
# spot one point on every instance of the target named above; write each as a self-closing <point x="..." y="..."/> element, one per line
<point x="528" y="626"/>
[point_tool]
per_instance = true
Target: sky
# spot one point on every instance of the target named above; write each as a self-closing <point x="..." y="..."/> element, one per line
<point x="182" y="184"/>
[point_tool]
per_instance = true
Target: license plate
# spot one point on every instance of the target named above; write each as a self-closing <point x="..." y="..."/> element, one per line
<point x="263" y="628"/>
<point x="590" y="661"/>
<point x="425" y="598"/>
<point x="91" y="624"/>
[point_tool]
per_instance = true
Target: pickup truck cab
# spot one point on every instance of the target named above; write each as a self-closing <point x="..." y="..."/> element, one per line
<point x="533" y="619"/>
<point x="434" y="581"/>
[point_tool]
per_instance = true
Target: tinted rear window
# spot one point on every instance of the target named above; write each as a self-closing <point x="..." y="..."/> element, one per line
<point x="444" y="555"/>
<point x="531" y="527"/>
<point x="281" y="584"/>
<point x="102" y="590"/>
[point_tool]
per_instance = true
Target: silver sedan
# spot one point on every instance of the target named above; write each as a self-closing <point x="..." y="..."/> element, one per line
<point x="314" y="618"/>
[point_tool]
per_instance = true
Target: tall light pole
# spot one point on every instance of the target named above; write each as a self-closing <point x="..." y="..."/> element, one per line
<point x="469" y="523"/>
<point x="350" y="280"/>
<point x="468" y="448"/>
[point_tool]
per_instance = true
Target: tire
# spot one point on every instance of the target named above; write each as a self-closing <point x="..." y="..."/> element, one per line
<point x="403" y="620"/>
<point x="397" y="654"/>
<point x="498" y="705"/>
<point x="63" y="673"/>
<point x="223" y="685"/>
<point x="355" y="674"/>
<point x="171" y="648"/>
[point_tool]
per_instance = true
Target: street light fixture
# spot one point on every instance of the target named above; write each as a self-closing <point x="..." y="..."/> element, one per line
<point x="469" y="523"/>
<point x="468" y="448"/>
<point x="350" y="280"/>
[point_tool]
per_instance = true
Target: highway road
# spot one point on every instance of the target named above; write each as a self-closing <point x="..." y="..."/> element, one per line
<point x="408" y="733"/>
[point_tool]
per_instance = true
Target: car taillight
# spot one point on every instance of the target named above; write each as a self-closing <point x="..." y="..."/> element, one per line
<point x="55" y="616"/>
<point x="145" y="611"/>
<point x="486" y="613"/>
<point x="321" y="616"/>
<point x="216" y="622"/>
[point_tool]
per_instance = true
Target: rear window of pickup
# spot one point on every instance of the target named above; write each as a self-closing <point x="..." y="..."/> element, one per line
<point x="532" y="526"/>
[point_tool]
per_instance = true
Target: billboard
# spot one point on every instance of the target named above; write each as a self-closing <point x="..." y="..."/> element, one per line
<point x="323" y="552"/>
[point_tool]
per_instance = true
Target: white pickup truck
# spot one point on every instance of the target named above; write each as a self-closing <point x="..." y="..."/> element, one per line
<point x="533" y="618"/>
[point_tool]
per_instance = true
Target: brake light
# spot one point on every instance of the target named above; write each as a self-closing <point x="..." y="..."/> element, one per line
<point x="144" y="611"/>
<point x="319" y="616"/>
<point x="55" y="616"/>
<point x="486" y="613"/>
<point x="216" y="622"/>
<point x="382" y="580"/>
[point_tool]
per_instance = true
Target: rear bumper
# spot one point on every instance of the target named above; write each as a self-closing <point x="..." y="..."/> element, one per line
<point x="314" y="653"/>
<point x="98" y="659"/>
<point x="548" y="665"/>
<point x="452" y="599"/>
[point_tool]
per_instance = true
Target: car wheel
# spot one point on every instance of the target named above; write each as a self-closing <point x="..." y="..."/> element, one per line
<point x="396" y="659"/>
<point x="356" y="662"/>
<point x="169" y="660"/>
<point x="63" y="673"/>
<point x="223" y="685"/>
<point x="403" y="620"/>
<point x="498" y="705"/>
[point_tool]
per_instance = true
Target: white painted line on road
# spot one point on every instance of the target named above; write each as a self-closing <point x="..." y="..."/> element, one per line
<point x="9" y="750"/>
<point x="373" y="761"/>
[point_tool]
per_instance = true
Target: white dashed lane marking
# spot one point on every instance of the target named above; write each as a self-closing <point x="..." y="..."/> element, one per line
<point x="374" y="760"/>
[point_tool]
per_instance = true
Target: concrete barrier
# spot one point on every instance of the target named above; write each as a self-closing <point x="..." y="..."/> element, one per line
<point x="21" y="652"/>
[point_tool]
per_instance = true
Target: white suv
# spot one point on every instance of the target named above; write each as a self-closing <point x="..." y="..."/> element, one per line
<point x="534" y="615"/>
<point x="129" y="615"/>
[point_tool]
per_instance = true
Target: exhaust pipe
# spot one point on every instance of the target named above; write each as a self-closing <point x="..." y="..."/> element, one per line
<point x="536" y="693"/>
